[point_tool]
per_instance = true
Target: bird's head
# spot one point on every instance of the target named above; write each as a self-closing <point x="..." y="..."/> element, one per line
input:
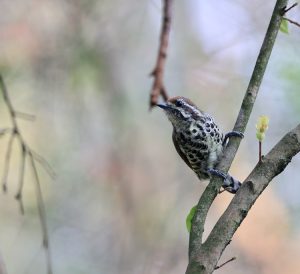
<point x="180" y="111"/>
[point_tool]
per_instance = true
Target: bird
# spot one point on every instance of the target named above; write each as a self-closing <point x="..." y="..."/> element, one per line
<point x="199" y="140"/>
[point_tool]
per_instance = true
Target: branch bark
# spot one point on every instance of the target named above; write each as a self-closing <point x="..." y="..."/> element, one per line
<point x="158" y="72"/>
<point x="271" y="165"/>
<point x="202" y="257"/>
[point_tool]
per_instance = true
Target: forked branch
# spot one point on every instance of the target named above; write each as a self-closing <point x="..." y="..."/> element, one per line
<point x="204" y="255"/>
<point x="198" y="263"/>
<point x="285" y="10"/>
<point x="26" y="153"/>
<point x="207" y="256"/>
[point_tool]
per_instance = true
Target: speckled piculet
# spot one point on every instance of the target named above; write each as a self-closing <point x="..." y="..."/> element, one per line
<point x="198" y="140"/>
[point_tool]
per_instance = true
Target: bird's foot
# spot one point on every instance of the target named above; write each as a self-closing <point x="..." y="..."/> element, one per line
<point x="229" y="183"/>
<point x="232" y="134"/>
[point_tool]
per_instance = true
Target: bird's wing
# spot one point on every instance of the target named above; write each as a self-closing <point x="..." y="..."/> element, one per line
<point x="182" y="155"/>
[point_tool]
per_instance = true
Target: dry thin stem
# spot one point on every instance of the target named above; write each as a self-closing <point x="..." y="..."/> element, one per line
<point x="158" y="72"/>
<point x="21" y="179"/>
<point x="221" y="265"/>
<point x="25" y="116"/>
<point x="26" y="151"/>
<point x="285" y="10"/>
<point x="7" y="161"/>
<point x="292" y="21"/>
<point x="259" y="151"/>
<point x="42" y="212"/>
<point x="44" y="163"/>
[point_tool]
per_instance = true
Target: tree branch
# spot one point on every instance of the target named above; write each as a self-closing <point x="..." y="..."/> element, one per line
<point x="197" y="262"/>
<point x="254" y="84"/>
<point x="260" y="177"/>
<point x="158" y="72"/>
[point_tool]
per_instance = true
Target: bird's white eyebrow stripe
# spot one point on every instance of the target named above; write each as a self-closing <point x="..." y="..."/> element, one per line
<point x="194" y="109"/>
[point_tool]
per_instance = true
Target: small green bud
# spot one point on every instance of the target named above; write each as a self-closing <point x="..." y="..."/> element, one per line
<point x="261" y="127"/>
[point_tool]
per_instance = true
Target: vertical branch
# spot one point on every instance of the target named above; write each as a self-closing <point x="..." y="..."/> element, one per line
<point x="202" y="257"/>
<point x="9" y="105"/>
<point x="7" y="161"/>
<point x="158" y="72"/>
<point x="42" y="213"/>
<point x="19" y="195"/>
<point x="254" y="83"/>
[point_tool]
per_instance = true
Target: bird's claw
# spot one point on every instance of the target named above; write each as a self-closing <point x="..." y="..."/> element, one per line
<point x="229" y="183"/>
<point x="232" y="134"/>
<point x="217" y="173"/>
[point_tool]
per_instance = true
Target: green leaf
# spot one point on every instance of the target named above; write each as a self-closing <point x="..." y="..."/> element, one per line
<point x="284" y="27"/>
<point x="189" y="218"/>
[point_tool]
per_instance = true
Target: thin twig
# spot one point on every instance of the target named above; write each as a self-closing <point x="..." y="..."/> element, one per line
<point x="19" y="195"/>
<point x="25" y="116"/>
<point x="42" y="213"/>
<point x="44" y="163"/>
<point x="16" y="131"/>
<point x="259" y="151"/>
<point x="26" y="151"/>
<point x="8" y="103"/>
<point x="158" y="72"/>
<point x="291" y="21"/>
<point x="285" y="10"/>
<point x="221" y="265"/>
<point x="7" y="162"/>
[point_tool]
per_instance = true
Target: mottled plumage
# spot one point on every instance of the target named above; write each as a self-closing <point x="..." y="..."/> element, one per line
<point x="197" y="139"/>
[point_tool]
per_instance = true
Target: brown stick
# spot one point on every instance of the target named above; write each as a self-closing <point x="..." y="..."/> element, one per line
<point x="158" y="71"/>
<point x="221" y="265"/>
<point x="259" y="151"/>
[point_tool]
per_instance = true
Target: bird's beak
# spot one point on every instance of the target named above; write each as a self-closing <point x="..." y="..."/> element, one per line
<point x="163" y="106"/>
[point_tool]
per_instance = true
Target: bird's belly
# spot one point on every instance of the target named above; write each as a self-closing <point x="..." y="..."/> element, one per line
<point x="202" y="154"/>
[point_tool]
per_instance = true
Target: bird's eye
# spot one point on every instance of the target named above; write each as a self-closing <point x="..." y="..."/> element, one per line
<point x="178" y="103"/>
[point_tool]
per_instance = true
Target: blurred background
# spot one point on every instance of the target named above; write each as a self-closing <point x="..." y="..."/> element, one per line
<point x="121" y="196"/>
